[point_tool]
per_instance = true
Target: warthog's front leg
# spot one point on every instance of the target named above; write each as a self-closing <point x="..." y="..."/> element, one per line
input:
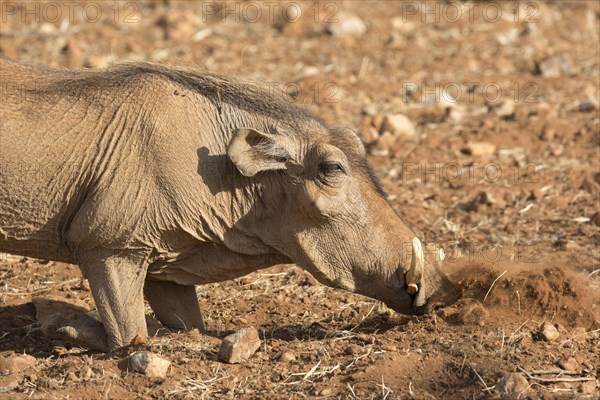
<point x="117" y="282"/>
<point x="176" y="306"/>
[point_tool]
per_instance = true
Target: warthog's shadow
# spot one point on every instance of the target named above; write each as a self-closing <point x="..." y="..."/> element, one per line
<point x="20" y="333"/>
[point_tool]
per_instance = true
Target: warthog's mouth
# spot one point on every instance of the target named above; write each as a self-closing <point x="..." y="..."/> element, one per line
<point x="416" y="287"/>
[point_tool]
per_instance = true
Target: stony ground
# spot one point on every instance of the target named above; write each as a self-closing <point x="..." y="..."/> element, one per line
<point x="481" y="120"/>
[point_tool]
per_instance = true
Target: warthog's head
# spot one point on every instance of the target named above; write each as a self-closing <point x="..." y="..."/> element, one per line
<point x="326" y="211"/>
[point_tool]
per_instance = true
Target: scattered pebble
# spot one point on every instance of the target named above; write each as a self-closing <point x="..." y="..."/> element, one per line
<point x="473" y="314"/>
<point x="512" y="383"/>
<point x="389" y="347"/>
<point x="587" y="105"/>
<point x="352" y="350"/>
<point x="370" y="135"/>
<point x="556" y="149"/>
<point x="47" y="28"/>
<point x="84" y="285"/>
<point x="402" y="25"/>
<point x="478" y="149"/>
<point x="97" y="62"/>
<point x="86" y="373"/>
<point x="386" y="142"/>
<point x="398" y="125"/>
<point x="595" y="218"/>
<point x="570" y="245"/>
<point x="506" y="109"/>
<point x="556" y="66"/>
<point x="138" y="340"/>
<point x="71" y="376"/>
<point x="568" y="364"/>
<point x="15" y="363"/>
<point x="287" y="356"/>
<point x="326" y="392"/>
<point x="561" y="329"/>
<point x="548" y="332"/>
<point x="148" y="364"/>
<point x="347" y="25"/>
<point x="239" y="346"/>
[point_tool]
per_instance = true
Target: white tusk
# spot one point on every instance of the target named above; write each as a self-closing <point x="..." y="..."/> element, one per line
<point x="442" y="255"/>
<point x="412" y="288"/>
<point x="414" y="274"/>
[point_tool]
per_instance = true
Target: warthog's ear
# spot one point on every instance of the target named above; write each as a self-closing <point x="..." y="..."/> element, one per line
<point x="252" y="151"/>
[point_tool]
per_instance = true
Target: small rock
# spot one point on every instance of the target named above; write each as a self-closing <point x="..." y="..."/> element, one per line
<point x="138" y="340"/>
<point x="556" y="149"/>
<point x="556" y="66"/>
<point x="326" y="392"/>
<point x="352" y="350"/>
<point x="86" y="373"/>
<point x="587" y="105"/>
<point x="568" y="364"/>
<point x="386" y="142"/>
<point x="473" y="314"/>
<point x="84" y="285"/>
<point x="370" y="110"/>
<point x="579" y="334"/>
<point x="548" y="332"/>
<point x="239" y="346"/>
<point x="97" y="62"/>
<point x="561" y="329"/>
<point x="570" y="245"/>
<point x="16" y="363"/>
<point x="347" y="25"/>
<point x="389" y="347"/>
<point x="398" y="125"/>
<point x="71" y="376"/>
<point x="456" y="114"/>
<point x="370" y="135"/>
<point x="478" y="149"/>
<point x="595" y="218"/>
<point x="400" y="24"/>
<point x="496" y="196"/>
<point x="287" y="356"/>
<point x="310" y="70"/>
<point x="512" y="383"/>
<point x="148" y="364"/>
<point x="506" y="109"/>
<point x="47" y="28"/>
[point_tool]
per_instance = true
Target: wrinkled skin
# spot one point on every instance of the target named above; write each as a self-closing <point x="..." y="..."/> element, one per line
<point x="154" y="180"/>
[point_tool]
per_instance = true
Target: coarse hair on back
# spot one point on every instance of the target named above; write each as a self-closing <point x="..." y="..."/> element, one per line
<point x="251" y="96"/>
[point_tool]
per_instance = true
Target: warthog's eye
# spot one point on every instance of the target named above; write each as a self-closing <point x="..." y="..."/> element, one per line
<point x="330" y="169"/>
<point x="331" y="173"/>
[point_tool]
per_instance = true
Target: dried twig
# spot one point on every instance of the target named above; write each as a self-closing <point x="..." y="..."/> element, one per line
<point x="554" y="372"/>
<point x="485" y="386"/>
<point x="554" y="380"/>
<point x="492" y="285"/>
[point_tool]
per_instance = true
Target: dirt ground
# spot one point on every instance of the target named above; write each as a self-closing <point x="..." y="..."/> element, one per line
<point x="502" y="169"/>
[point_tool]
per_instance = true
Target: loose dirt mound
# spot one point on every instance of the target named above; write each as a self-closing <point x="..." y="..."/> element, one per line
<point x="511" y="291"/>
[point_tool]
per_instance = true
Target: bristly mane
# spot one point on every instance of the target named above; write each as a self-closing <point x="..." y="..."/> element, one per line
<point x="253" y="97"/>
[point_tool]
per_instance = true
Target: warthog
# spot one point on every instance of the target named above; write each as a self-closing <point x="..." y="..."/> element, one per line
<point x="156" y="179"/>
